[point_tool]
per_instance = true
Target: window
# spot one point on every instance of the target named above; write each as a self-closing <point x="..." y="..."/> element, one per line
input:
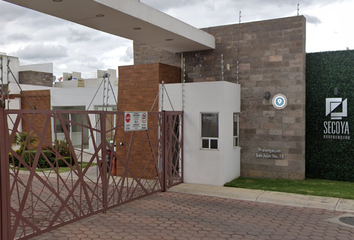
<point x="75" y="123"/>
<point x="210" y="130"/>
<point x="236" y="129"/>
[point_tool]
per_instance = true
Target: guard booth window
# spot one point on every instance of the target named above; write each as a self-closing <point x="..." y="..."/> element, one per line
<point x="210" y="130"/>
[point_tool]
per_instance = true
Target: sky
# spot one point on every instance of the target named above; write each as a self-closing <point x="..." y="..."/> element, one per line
<point x="38" y="38"/>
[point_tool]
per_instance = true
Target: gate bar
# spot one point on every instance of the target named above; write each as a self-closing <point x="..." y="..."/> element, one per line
<point x="164" y="160"/>
<point x="5" y="218"/>
<point x="103" y="163"/>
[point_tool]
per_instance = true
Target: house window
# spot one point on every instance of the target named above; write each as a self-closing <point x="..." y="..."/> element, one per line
<point x="210" y="130"/>
<point x="236" y="129"/>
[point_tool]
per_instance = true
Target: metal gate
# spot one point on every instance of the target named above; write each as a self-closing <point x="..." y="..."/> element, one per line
<point x="56" y="168"/>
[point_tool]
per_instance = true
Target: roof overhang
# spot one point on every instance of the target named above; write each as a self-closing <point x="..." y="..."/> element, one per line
<point x="129" y="19"/>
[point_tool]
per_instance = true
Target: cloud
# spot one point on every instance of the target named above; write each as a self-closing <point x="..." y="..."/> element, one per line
<point x="18" y="37"/>
<point x="128" y="57"/>
<point x="41" y="52"/>
<point x="205" y="13"/>
<point x="75" y="35"/>
<point x="10" y="12"/>
<point x="94" y="65"/>
<point x="312" y="19"/>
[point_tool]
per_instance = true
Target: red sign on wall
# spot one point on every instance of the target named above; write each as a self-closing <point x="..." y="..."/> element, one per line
<point x="127" y="118"/>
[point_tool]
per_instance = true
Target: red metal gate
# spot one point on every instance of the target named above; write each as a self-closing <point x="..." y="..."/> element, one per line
<point x="55" y="167"/>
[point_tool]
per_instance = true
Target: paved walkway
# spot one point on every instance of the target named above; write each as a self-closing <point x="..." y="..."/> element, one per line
<point x="189" y="212"/>
<point x="288" y="199"/>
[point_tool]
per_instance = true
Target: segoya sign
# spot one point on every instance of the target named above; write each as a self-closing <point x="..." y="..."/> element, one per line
<point x="336" y="128"/>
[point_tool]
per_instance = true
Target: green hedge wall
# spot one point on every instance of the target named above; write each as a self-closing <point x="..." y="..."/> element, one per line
<point x="28" y="157"/>
<point x="329" y="158"/>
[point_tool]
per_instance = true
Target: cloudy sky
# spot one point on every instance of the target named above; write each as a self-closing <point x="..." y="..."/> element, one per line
<point x="38" y="38"/>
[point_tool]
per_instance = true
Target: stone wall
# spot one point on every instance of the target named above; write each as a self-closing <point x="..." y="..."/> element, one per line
<point x="265" y="56"/>
<point x="36" y="78"/>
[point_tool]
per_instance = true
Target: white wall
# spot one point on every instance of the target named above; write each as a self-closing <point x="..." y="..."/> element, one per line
<point x="14" y="67"/>
<point x="13" y="104"/>
<point x="89" y="83"/>
<point x="202" y="166"/>
<point x="81" y="97"/>
<point x="44" y="67"/>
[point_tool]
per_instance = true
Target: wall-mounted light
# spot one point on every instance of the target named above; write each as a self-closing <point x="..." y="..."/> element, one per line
<point x="335" y="91"/>
<point x="169" y="39"/>
<point x="100" y="15"/>
<point x="137" y="28"/>
<point x="57" y="0"/>
<point x="267" y="95"/>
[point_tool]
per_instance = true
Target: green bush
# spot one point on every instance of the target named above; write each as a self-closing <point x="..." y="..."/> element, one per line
<point x="61" y="163"/>
<point x="24" y="137"/>
<point x="46" y="157"/>
<point x="28" y="157"/>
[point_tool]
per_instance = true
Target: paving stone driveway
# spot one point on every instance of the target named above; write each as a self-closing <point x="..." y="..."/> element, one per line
<point x="186" y="216"/>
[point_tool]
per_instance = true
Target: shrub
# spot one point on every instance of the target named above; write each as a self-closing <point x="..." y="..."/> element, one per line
<point x="62" y="147"/>
<point x="28" y="157"/>
<point x="22" y="138"/>
<point x="61" y="163"/>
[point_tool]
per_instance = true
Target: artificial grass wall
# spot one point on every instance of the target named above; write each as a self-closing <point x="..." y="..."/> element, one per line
<point x="328" y="155"/>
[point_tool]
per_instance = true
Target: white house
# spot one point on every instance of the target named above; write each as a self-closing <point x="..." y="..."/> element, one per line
<point x="75" y="94"/>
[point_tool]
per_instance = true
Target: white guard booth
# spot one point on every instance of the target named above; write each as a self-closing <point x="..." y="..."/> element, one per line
<point x="211" y="129"/>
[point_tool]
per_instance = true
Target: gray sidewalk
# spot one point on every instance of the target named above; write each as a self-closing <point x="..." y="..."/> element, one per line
<point x="287" y="199"/>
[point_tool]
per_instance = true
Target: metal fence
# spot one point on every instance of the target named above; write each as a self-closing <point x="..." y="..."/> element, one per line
<point x="56" y="167"/>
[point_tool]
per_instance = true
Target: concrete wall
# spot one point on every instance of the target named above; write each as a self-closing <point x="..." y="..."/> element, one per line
<point x="207" y="166"/>
<point x="271" y="57"/>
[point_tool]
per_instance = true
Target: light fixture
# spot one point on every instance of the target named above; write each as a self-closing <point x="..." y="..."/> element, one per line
<point x="57" y="0"/>
<point x="137" y="28"/>
<point x="169" y="39"/>
<point x="267" y="95"/>
<point x="100" y="15"/>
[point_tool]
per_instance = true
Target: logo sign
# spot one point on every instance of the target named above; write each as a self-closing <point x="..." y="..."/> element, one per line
<point x="135" y="121"/>
<point x="336" y="129"/>
<point x="127" y="118"/>
<point x="279" y="101"/>
<point x="144" y="118"/>
<point x="332" y="104"/>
